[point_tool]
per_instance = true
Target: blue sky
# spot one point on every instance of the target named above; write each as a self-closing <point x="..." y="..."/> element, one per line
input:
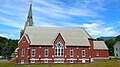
<point x="98" y="17"/>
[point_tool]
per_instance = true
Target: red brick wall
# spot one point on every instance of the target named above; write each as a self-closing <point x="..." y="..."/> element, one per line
<point x="40" y="50"/>
<point x="23" y="44"/>
<point x="91" y="47"/>
<point x="102" y="53"/>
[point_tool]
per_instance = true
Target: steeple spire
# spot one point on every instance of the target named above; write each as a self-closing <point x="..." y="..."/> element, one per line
<point x="29" y="21"/>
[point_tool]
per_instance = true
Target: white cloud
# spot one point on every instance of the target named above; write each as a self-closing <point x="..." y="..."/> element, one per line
<point x="108" y="28"/>
<point x="92" y="28"/>
<point x="96" y="30"/>
<point x="4" y="35"/>
<point x="7" y="35"/>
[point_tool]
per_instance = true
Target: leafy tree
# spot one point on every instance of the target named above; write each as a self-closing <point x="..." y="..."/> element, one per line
<point x="110" y="43"/>
<point x="118" y="38"/>
<point x="6" y="52"/>
<point x="12" y="44"/>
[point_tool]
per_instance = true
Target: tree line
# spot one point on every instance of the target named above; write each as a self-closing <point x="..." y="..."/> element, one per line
<point x="7" y="46"/>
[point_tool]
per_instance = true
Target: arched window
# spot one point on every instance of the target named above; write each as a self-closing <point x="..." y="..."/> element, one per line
<point x="59" y="49"/>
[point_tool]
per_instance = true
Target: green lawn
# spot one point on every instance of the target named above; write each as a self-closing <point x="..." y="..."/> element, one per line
<point x="111" y="63"/>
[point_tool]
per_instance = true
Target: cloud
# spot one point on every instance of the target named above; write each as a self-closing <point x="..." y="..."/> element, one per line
<point x="59" y="9"/>
<point x="97" y="30"/>
<point x="4" y="35"/>
<point x="7" y="35"/>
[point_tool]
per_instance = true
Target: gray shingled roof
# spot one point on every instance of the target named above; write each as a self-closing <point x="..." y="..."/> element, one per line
<point x="117" y="43"/>
<point x="100" y="45"/>
<point x="47" y="35"/>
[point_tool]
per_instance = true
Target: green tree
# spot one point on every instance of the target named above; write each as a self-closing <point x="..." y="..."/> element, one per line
<point x="6" y="52"/>
<point x="13" y="44"/>
<point x="110" y="43"/>
<point x="118" y="38"/>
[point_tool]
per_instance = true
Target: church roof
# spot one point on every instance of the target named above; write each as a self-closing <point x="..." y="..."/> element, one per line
<point x="47" y="35"/>
<point x="100" y="45"/>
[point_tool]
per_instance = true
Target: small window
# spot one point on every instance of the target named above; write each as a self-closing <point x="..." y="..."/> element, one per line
<point x="71" y="61"/>
<point x="97" y="53"/>
<point x="22" y="61"/>
<point x="46" y="61"/>
<point x="83" y="52"/>
<point x="116" y="49"/>
<point x="23" y="52"/>
<point x="33" y="51"/>
<point x="71" y="52"/>
<point x="32" y="61"/>
<point x="46" y="51"/>
<point x="116" y="55"/>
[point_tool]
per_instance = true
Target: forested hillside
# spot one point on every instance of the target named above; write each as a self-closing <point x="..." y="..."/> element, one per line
<point x="12" y="43"/>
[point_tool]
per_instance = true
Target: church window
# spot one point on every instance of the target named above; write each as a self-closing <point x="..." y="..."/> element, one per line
<point x="33" y="51"/>
<point x="59" y="49"/>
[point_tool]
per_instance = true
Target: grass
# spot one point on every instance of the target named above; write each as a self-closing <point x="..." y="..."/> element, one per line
<point x="111" y="63"/>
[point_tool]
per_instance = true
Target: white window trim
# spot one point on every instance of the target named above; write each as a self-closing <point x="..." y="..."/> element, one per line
<point x="72" y="52"/>
<point x="46" y="60"/>
<point x="59" y="60"/>
<point x="32" y="61"/>
<point x="97" y="53"/>
<point x="56" y="47"/>
<point x="23" y="52"/>
<point x="71" y="61"/>
<point x="22" y="61"/>
<point x="83" y="61"/>
<point x="32" y="52"/>
<point x="83" y="50"/>
<point x="46" y="49"/>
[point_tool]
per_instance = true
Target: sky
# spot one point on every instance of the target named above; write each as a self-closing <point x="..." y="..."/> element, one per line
<point x="97" y="17"/>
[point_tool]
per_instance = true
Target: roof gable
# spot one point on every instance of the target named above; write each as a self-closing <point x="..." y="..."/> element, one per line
<point x="117" y="44"/>
<point x="57" y="37"/>
<point x="27" y="38"/>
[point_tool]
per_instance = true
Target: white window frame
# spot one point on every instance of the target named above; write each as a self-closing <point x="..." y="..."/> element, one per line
<point x="59" y="60"/>
<point x="59" y="49"/>
<point x="23" y="52"/>
<point x="71" y="60"/>
<point x="46" y="52"/>
<point x="83" y="52"/>
<point x="71" y="52"/>
<point x="97" y="53"/>
<point x="116" y="54"/>
<point x="22" y="61"/>
<point x="33" y="52"/>
<point x="46" y="60"/>
<point x="33" y="61"/>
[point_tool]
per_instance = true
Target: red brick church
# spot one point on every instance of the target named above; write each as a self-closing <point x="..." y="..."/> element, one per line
<point x="58" y="45"/>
